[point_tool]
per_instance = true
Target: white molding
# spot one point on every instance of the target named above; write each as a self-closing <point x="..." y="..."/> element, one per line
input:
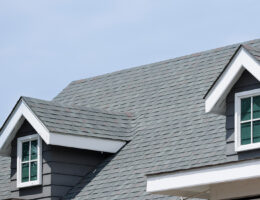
<point x="237" y="132"/>
<point x="215" y="100"/>
<point x="178" y="181"/>
<point x="90" y="143"/>
<point x="19" y="161"/>
<point x="22" y="111"/>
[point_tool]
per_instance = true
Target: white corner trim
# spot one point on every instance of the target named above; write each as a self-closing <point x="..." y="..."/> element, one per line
<point x="203" y="176"/>
<point x="241" y="61"/>
<point x="238" y="97"/>
<point x="22" y="111"/>
<point x="20" y="140"/>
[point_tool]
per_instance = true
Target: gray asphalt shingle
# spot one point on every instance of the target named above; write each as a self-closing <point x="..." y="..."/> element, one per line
<point x="173" y="132"/>
<point x="84" y="121"/>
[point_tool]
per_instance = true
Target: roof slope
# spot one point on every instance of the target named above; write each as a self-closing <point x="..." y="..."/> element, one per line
<point x="255" y="52"/>
<point x="84" y="121"/>
<point x="174" y="132"/>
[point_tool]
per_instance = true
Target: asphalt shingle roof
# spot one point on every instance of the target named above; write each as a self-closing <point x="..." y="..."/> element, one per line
<point x="255" y="52"/>
<point x="84" y="121"/>
<point x="173" y="132"/>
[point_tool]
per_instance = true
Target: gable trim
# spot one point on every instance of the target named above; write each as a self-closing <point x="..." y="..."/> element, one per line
<point x="22" y="112"/>
<point x="215" y="99"/>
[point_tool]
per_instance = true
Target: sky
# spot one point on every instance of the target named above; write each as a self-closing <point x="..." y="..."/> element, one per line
<point x="46" y="44"/>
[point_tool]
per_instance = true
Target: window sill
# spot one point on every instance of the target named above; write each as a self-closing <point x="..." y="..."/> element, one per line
<point x="248" y="147"/>
<point x="28" y="184"/>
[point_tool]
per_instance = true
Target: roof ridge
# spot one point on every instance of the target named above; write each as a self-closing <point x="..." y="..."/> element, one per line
<point x="86" y="108"/>
<point x="165" y="61"/>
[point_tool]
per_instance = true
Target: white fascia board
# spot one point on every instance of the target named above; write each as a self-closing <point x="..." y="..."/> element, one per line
<point x="203" y="177"/>
<point x="90" y="143"/>
<point x="241" y="61"/>
<point x="22" y="111"/>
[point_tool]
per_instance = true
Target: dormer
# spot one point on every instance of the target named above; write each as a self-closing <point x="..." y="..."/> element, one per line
<point x="236" y="94"/>
<point x="53" y="146"/>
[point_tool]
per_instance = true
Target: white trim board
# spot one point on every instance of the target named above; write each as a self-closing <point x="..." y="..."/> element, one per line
<point x="22" y="111"/>
<point x="215" y="100"/>
<point x="203" y="177"/>
<point x="29" y="183"/>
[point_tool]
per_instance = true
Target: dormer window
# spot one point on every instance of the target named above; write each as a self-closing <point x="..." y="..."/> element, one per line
<point x="247" y="120"/>
<point x="29" y="161"/>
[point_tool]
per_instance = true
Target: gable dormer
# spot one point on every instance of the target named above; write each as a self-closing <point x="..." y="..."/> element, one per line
<point x="53" y="146"/>
<point x="236" y="94"/>
<point x="245" y="58"/>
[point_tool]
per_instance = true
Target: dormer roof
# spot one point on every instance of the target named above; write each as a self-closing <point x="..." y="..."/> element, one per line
<point x="69" y="125"/>
<point x="244" y="58"/>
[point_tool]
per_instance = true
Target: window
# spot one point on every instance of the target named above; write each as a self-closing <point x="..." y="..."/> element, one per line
<point x="29" y="161"/>
<point x="247" y="120"/>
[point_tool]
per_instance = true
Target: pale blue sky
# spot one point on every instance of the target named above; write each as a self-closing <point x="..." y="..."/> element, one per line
<point x="45" y="44"/>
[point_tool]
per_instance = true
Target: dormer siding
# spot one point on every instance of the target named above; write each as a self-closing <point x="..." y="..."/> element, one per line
<point x="62" y="168"/>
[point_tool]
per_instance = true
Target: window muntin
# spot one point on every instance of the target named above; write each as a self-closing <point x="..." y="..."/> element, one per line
<point x="29" y="161"/>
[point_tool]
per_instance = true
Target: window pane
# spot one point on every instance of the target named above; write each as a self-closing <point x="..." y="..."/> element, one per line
<point x="25" y="151"/>
<point x="256" y="107"/>
<point x="34" y="150"/>
<point x="245" y="109"/>
<point x="25" y="172"/>
<point x="256" y="131"/>
<point x="33" y="171"/>
<point x="246" y="133"/>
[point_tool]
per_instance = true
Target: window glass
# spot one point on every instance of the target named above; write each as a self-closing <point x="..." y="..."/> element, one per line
<point x="25" y="172"/>
<point x="34" y="150"/>
<point x="256" y="131"/>
<point x="25" y="151"/>
<point x="256" y="107"/>
<point x="246" y="133"/>
<point x="33" y="171"/>
<point x="245" y="109"/>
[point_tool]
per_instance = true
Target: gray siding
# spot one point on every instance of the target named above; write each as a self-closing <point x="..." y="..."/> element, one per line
<point x="246" y="82"/>
<point x="31" y="192"/>
<point x="69" y="165"/>
<point x="63" y="168"/>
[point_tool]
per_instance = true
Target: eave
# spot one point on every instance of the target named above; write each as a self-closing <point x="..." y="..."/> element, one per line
<point x="212" y="182"/>
<point x="23" y="112"/>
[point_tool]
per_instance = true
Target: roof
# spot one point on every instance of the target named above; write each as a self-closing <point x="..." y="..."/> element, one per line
<point x="80" y="120"/>
<point x="173" y="132"/>
<point x="253" y="51"/>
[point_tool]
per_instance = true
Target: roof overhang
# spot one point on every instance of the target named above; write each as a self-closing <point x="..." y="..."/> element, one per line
<point x="242" y="60"/>
<point x="22" y="111"/>
<point x="226" y="181"/>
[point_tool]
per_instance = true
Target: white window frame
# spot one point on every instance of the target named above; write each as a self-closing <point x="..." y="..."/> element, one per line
<point x="21" y="140"/>
<point x="238" y="97"/>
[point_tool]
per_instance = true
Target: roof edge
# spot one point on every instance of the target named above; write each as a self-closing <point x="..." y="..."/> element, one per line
<point x="22" y="112"/>
<point x="241" y="60"/>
